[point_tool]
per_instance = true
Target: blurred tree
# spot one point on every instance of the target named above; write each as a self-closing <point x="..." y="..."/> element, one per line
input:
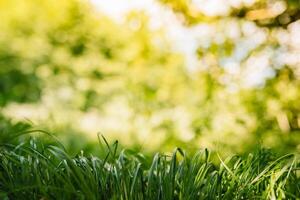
<point x="269" y="13"/>
<point x="64" y="65"/>
<point x="269" y="111"/>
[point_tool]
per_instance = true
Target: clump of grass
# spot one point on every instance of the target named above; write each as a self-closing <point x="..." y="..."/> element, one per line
<point x="33" y="170"/>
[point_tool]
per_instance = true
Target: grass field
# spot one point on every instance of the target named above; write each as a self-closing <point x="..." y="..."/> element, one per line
<point x="36" y="170"/>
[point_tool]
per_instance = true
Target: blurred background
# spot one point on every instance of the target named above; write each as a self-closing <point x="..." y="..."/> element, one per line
<point x="153" y="74"/>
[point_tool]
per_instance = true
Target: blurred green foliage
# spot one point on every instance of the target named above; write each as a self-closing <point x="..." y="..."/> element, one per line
<point x="73" y="70"/>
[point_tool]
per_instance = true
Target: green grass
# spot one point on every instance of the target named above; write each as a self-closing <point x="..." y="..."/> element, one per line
<point x="36" y="170"/>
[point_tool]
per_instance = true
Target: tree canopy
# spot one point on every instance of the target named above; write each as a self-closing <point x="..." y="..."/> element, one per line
<point x="70" y="68"/>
